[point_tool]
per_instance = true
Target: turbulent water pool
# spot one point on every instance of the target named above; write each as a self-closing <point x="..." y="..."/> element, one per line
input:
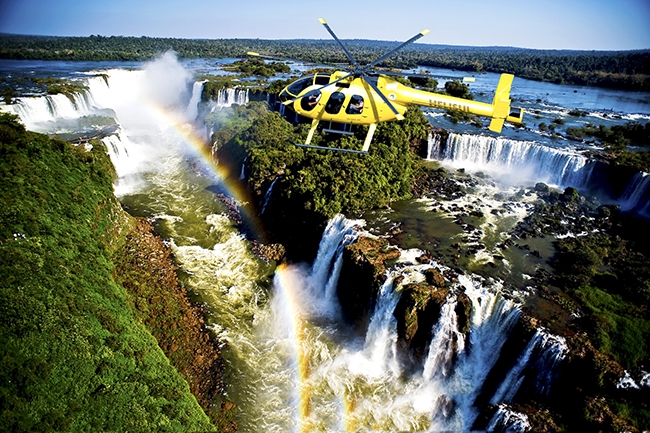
<point x="292" y="363"/>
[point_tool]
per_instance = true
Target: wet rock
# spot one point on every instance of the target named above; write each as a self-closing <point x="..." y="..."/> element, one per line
<point x="416" y="312"/>
<point x="269" y="252"/>
<point x="434" y="278"/>
<point x="542" y="187"/>
<point x="426" y="257"/>
<point x="232" y="207"/>
<point x="362" y="274"/>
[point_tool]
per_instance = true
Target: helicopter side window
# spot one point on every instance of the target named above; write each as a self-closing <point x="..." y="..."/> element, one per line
<point x="335" y="103"/>
<point x="309" y="102"/>
<point x="356" y="105"/>
<point x="322" y="79"/>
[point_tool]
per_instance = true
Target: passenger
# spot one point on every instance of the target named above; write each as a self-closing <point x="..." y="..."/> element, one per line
<point x="313" y="99"/>
<point x="356" y="106"/>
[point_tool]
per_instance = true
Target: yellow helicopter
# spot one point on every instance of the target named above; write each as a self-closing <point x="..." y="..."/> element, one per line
<point x="363" y="96"/>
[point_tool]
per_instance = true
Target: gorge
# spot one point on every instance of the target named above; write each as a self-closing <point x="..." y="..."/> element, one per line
<point x="389" y="310"/>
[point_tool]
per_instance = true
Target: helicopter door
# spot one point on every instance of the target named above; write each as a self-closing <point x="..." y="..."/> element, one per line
<point x="356" y="105"/>
<point x="335" y="103"/>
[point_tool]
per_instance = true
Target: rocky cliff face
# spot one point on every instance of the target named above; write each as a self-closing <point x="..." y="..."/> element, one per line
<point x="362" y="274"/>
<point x="145" y="269"/>
<point x="418" y="310"/>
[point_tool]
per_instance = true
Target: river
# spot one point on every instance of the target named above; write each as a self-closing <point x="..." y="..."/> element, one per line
<point x="293" y="365"/>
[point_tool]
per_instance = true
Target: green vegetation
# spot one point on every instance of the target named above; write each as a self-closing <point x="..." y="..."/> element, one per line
<point x="328" y="182"/>
<point x="628" y="69"/>
<point x="424" y="82"/>
<point x="611" y="280"/>
<point x="632" y="133"/>
<point x="73" y="355"/>
<point x="53" y="86"/>
<point x="214" y="84"/>
<point x="144" y="267"/>
<point x="36" y="85"/>
<point x="258" y="67"/>
<point x="616" y="141"/>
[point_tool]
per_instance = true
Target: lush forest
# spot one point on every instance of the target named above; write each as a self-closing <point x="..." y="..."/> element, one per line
<point x="74" y="353"/>
<point x="624" y="69"/>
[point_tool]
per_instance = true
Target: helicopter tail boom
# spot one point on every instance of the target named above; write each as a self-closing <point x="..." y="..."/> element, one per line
<point x="500" y="110"/>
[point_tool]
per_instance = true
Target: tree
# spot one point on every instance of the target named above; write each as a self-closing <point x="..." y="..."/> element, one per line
<point x="458" y="89"/>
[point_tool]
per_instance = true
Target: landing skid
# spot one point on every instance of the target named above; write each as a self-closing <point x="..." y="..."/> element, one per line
<point x="338" y="149"/>
<point x="314" y="125"/>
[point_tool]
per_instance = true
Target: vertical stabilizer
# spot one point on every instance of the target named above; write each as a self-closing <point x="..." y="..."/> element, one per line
<point x="501" y="102"/>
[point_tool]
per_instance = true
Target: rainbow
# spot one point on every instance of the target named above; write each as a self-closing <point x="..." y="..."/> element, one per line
<point x="287" y="288"/>
<point x="202" y="150"/>
<point x="287" y="284"/>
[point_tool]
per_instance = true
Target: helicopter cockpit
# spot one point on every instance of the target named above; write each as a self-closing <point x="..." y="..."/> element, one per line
<point x="294" y="89"/>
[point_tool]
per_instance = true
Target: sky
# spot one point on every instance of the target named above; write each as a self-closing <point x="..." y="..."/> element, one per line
<point x="541" y="24"/>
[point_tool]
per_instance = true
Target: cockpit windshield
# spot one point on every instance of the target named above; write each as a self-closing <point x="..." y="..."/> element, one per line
<point x="299" y="85"/>
<point x="293" y="90"/>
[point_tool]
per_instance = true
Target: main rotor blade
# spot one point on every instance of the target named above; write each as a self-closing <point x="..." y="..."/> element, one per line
<point x="383" y="97"/>
<point x="311" y="92"/>
<point x="390" y="53"/>
<point x="404" y="74"/>
<point x="266" y="56"/>
<point x="331" y="32"/>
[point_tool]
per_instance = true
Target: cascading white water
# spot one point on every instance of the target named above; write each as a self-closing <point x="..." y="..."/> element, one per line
<point x="508" y="421"/>
<point x="37" y="113"/>
<point x="433" y="146"/>
<point x="242" y="176"/>
<point x="513" y="162"/>
<point x="193" y="106"/>
<point x="492" y="318"/>
<point x="269" y="192"/>
<point x="339" y="232"/>
<point x="545" y="351"/>
<point x="229" y="96"/>
<point x="447" y="343"/>
<point x="637" y="194"/>
<point x="361" y="383"/>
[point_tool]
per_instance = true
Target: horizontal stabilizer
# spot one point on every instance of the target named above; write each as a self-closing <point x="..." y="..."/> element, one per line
<point x="496" y="125"/>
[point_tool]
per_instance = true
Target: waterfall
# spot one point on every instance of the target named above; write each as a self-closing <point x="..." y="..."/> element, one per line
<point x="447" y="342"/>
<point x="193" y="107"/>
<point x="542" y="354"/>
<point x="381" y="337"/>
<point x="229" y="96"/>
<point x="242" y="176"/>
<point x="637" y="194"/>
<point x="508" y="421"/>
<point x="293" y="364"/>
<point x="433" y="146"/>
<point x="269" y="192"/>
<point x="39" y="110"/>
<point x="492" y="318"/>
<point x="325" y="271"/>
<point x="514" y="162"/>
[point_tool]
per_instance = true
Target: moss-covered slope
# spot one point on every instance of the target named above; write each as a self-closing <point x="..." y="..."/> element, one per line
<point x="72" y="355"/>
